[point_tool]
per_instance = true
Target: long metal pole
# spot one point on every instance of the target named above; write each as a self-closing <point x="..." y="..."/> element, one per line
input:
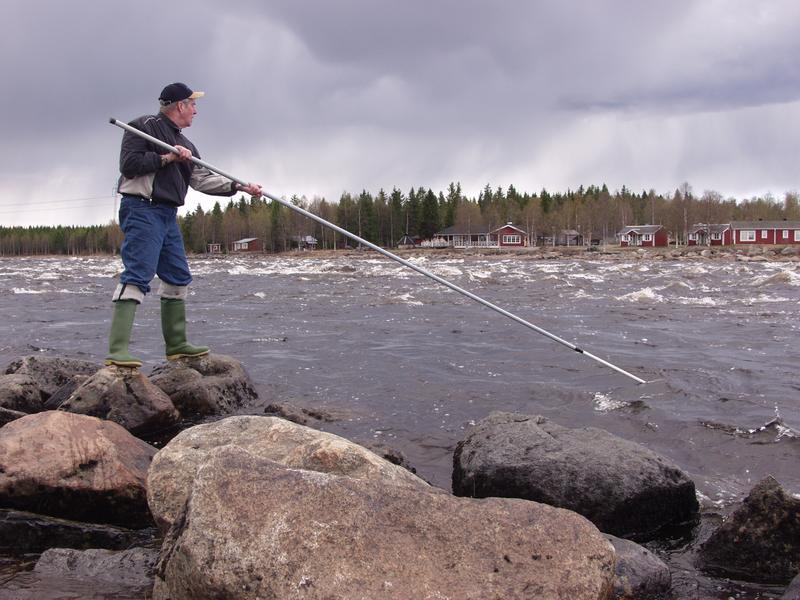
<point x="386" y="253"/>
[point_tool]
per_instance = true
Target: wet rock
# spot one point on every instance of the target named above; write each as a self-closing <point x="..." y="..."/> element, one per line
<point x="254" y="529"/>
<point x="133" y="567"/>
<point x="175" y="466"/>
<point x="6" y="415"/>
<point x="211" y="384"/>
<point x="25" y="533"/>
<point x="790" y="251"/>
<point x="49" y="372"/>
<point x="94" y="574"/>
<point x="20" y="393"/>
<point x="793" y="591"/>
<point x="75" y="467"/>
<point x="298" y="414"/>
<point x="706" y="253"/>
<point x="124" y="396"/>
<point x="760" y="541"/>
<point x="639" y="574"/>
<point x="622" y="487"/>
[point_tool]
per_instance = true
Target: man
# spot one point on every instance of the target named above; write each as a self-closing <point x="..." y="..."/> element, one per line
<point x="153" y="185"/>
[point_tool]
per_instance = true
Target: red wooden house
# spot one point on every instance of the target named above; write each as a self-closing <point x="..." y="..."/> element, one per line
<point x="766" y="232"/>
<point x="508" y="235"/>
<point x="643" y="235"/>
<point x="710" y="234"/>
<point x="745" y="232"/>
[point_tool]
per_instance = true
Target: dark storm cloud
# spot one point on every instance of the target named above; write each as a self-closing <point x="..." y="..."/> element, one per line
<point x="318" y="97"/>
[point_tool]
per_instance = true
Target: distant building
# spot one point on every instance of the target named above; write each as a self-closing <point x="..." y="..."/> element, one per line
<point x="569" y="237"/>
<point x="643" y="235"/>
<point x="745" y="232"/>
<point x="214" y="248"/>
<point x="479" y="236"/>
<point x="247" y="245"/>
<point x="304" y="242"/>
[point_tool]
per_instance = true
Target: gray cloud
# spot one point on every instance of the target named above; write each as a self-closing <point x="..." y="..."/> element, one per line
<point x="319" y="97"/>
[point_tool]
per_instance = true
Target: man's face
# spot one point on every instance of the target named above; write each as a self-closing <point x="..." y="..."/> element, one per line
<point x="185" y="113"/>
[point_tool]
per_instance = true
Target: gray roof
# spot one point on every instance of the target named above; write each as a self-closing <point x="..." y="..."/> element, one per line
<point x="712" y="228"/>
<point x="765" y="224"/>
<point x="640" y="229"/>
<point x="245" y="241"/>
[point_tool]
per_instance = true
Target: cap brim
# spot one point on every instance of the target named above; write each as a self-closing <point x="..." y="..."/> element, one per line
<point x="196" y="95"/>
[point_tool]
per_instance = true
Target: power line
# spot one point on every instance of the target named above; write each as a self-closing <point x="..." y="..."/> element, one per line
<point x="60" y="201"/>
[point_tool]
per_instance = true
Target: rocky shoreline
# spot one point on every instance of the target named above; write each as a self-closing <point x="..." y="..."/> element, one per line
<point x="264" y="506"/>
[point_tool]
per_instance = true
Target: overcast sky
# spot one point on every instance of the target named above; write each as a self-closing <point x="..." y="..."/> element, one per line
<point x="317" y="97"/>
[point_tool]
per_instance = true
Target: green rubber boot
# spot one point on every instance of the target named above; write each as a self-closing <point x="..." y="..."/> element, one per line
<point x="173" y="325"/>
<point x="120" y="336"/>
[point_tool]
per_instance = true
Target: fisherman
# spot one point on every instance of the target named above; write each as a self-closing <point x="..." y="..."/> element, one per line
<point x="153" y="185"/>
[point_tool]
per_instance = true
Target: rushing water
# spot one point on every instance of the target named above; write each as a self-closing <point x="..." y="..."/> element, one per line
<point x="406" y="362"/>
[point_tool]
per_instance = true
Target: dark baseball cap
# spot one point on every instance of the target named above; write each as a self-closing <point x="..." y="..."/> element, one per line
<point x="175" y="92"/>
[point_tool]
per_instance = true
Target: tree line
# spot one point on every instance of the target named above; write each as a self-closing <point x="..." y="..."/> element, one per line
<point x="385" y="217"/>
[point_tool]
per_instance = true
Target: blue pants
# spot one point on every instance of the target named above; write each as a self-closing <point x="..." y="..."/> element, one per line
<point x="153" y="244"/>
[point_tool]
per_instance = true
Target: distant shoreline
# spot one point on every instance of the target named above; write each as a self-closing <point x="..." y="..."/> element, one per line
<point x="750" y="253"/>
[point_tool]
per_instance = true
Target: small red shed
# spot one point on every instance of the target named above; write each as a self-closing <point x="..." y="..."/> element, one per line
<point x="247" y="245"/>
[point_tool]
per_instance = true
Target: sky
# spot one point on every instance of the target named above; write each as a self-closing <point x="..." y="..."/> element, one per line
<point x="319" y="97"/>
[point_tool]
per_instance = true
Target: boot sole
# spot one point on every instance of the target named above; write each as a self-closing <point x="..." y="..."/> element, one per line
<point x="184" y="355"/>
<point x="119" y="363"/>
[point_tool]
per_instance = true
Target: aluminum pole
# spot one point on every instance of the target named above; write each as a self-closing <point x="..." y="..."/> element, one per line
<point x="385" y="252"/>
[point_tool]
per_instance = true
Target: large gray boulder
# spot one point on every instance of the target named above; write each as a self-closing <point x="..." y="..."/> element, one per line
<point x="622" y="487"/>
<point x="175" y="467"/>
<point x="760" y="541"/>
<point x="50" y="372"/>
<point x="75" y="467"/>
<point x="208" y="385"/>
<point x="126" y="397"/>
<point x="251" y="528"/>
<point x="639" y="574"/>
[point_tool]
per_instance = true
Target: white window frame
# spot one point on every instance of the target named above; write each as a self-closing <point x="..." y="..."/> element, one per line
<point x="716" y="236"/>
<point x="797" y="235"/>
<point x="647" y="237"/>
<point x="764" y="234"/>
<point x="512" y="238"/>
<point x="747" y="235"/>
<point x="785" y="234"/>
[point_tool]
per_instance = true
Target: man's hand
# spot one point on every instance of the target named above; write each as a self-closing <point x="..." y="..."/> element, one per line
<point x="183" y="155"/>
<point x="251" y="188"/>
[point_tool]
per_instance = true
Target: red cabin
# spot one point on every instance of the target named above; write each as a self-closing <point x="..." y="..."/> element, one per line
<point x="643" y="235"/>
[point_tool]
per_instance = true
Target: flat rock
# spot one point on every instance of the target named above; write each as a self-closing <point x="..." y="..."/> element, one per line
<point x="639" y="574"/>
<point x="124" y="396"/>
<point x="208" y="385"/>
<point x="26" y="533"/>
<point x="75" y="467"/>
<point x="50" y="372"/>
<point x="175" y="467"/>
<point x="622" y="487"/>
<point x="760" y="541"/>
<point x="254" y="529"/>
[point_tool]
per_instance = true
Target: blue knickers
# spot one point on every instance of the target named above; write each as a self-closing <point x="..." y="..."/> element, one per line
<point x="153" y="244"/>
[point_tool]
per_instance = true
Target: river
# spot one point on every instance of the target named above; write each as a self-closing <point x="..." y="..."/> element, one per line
<point x="403" y="361"/>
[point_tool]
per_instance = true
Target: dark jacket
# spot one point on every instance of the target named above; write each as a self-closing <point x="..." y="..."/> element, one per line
<point x="143" y="175"/>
